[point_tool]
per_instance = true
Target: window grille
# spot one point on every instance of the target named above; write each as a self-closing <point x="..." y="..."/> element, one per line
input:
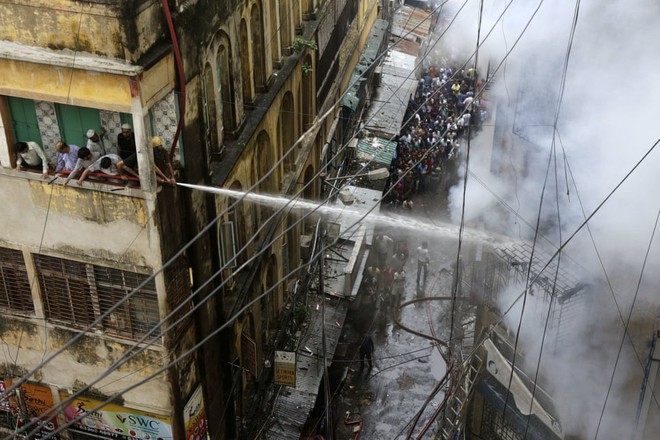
<point x="77" y="293"/>
<point x="134" y="317"/>
<point x="15" y="292"/>
<point x="65" y="290"/>
<point x="177" y="278"/>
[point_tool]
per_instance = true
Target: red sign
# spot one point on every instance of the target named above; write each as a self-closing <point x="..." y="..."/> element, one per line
<point x="30" y="402"/>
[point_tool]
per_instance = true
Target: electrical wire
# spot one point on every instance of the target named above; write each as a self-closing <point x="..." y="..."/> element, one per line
<point x="625" y="329"/>
<point x="552" y="151"/>
<point x="208" y="226"/>
<point x="280" y="162"/>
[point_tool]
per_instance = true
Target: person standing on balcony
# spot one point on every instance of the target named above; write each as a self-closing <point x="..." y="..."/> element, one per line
<point x="126" y="142"/>
<point x="162" y="162"/>
<point x="85" y="159"/>
<point x="95" y="142"/>
<point x="111" y="164"/>
<point x="31" y="156"/>
<point x="67" y="156"/>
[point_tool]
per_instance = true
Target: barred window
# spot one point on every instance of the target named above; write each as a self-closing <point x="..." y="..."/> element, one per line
<point x="14" y="284"/>
<point x="134" y="317"/>
<point x="77" y="293"/>
<point x="65" y="290"/>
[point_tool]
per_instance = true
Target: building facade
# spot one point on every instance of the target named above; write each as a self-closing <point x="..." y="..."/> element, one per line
<point x="235" y="89"/>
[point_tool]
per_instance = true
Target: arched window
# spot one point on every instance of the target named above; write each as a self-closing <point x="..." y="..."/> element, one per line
<point x="226" y="83"/>
<point x="286" y="132"/>
<point x="258" y="54"/>
<point x="274" y="39"/>
<point x="285" y="26"/>
<point x="245" y="64"/>
<point x="210" y="110"/>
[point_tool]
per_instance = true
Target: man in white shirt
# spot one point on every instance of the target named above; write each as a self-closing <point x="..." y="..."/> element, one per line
<point x="109" y="164"/>
<point x="95" y="141"/>
<point x="85" y="159"/>
<point x="422" y="261"/>
<point x="31" y="156"/>
<point x="67" y="156"/>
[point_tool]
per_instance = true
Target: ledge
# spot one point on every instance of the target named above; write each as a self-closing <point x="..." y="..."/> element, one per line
<point x="67" y="58"/>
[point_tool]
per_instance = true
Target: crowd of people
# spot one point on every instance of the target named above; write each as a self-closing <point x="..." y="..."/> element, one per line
<point x="446" y="107"/>
<point x="73" y="161"/>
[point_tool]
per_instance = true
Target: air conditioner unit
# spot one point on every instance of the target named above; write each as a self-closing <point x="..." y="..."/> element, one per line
<point x="353" y="143"/>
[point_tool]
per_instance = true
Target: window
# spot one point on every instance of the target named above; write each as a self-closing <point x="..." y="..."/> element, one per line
<point x="77" y="293"/>
<point x="228" y="241"/>
<point x="14" y="285"/>
<point x="134" y="317"/>
<point x="65" y="289"/>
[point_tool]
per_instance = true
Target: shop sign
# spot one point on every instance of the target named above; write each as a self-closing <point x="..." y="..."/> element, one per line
<point x="115" y="421"/>
<point x="194" y="417"/>
<point x="34" y="404"/>
<point x="285" y="368"/>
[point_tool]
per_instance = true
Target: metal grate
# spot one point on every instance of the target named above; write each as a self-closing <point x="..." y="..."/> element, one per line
<point x="134" y="317"/>
<point x="14" y="285"/>
<point x="76" y="293"/>
<point x="65" y="289"/>
<point x="178" y="291"/>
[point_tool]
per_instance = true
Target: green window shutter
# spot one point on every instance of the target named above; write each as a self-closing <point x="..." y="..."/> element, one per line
<point x="24" y="120"/>
<point x="75" y="121"/>
<point x="126" y="118"/>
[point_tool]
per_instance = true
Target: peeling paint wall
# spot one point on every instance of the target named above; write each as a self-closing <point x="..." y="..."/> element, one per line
<point x="123" y="29"/>
<point x="79" y="365"/>
<point x="82" y="223"/>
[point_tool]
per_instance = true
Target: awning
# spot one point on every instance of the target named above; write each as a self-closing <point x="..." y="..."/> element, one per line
<point x="376" y="149"/>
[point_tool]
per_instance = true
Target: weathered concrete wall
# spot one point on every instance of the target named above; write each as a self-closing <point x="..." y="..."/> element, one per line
<point x="80" y="364"/>
<point x="121" y="29"/>
<point x="106" y="228"/>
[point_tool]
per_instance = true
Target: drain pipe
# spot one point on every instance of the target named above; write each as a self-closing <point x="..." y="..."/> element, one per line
<point x="182" y="79"/>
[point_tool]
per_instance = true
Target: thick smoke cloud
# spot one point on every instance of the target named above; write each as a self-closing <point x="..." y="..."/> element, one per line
<point x="608" y="120"/>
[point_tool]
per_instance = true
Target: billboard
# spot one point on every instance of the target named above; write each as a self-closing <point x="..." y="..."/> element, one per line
<point x="32" y="402"/>
<point x="115" y="421"/>
<point x="194" y="417"/>
<point x="285" y="368"/>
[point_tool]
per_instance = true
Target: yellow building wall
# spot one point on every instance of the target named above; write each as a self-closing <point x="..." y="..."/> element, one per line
<point x="84" y="88"/>
<point x="91" y="27"/>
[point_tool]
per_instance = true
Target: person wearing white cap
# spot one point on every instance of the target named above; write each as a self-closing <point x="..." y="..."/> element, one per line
<point x="95" y="142"/>
<point x="126" y="142"/>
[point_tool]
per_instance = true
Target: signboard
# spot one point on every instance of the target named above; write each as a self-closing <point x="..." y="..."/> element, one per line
<point x="115" y="421"/>
<point x="285" y="368"/>
<point x="194" y="417"/>
<point x="248" y="354"/>
<point x="33" y="403"/>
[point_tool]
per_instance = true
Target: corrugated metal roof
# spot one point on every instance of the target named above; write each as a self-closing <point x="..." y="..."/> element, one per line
<point x="378" y="149"/>
<point x="390" y="100"/>
<point x="412" y="22"/>
<point x="408" y="47"/>
<point x="367" y="57"/>
<point x="292" y="406"/>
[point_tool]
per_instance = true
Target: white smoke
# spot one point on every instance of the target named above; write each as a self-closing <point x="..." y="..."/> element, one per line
<point x="608" y="121"/>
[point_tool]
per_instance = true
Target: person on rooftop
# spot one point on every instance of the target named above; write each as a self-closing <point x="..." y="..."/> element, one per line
<point x="31" y="156"/>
